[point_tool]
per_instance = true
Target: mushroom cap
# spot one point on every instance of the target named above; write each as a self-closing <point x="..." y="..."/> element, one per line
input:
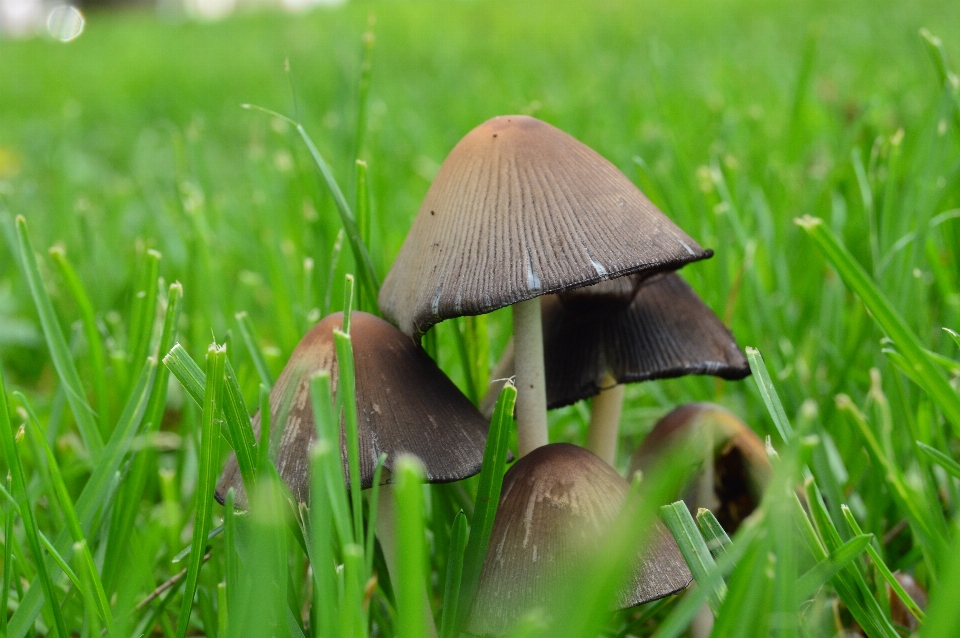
<point x="521" y="209"/>
<point x="665" y="330"/>
<point x="741" y="469"/>
<point x="633" y="328"/>
<point x="405" y="404"/>
<point x="557" y="502"/>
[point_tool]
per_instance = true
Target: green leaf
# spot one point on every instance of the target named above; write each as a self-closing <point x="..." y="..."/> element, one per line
<point x="941" y="459"/>
<point x="694" y="549"/>
<point x="347" y="400"/>
<point x="488" y="495"/>
<point x="207" y="481"/>
<point x="59" y="351"/>
<point x="930" y="378"/>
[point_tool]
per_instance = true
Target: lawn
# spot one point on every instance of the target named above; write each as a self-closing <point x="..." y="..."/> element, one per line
<point x="128" y="152"/>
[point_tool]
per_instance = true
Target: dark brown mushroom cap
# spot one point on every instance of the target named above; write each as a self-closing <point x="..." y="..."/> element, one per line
<point x="634" y="328"/>
<point x="665" y="331"/>
<point x="557" y="504"/>
<point x="741" y="467"/>
<point x="520" y="209"/>
<point x="405" y="403"/>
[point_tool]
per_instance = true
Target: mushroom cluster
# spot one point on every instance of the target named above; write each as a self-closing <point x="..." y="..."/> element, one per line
<point x="520" y="214"/>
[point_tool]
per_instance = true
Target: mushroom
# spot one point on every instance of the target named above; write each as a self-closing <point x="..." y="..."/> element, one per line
<point x="734" y="468"/>
<point x="623" y="331"/>
<point x="520" y="209"/>
<point x="554" y="505"/>
<point x="405" y="403"/>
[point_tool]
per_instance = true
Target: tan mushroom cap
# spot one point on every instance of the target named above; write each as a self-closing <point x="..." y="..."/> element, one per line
<point x="521" y="209"/>
<point x="556" y="505"/>
<point x="741" y="469"/>
<point x="633" y="329"/>
<point x="405" y="404"/>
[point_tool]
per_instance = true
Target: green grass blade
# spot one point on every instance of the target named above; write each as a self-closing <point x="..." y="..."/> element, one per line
<point x="352" y="616"/>
<point x="95" y="492"/>
<point x="44" y="541"/>
<point x="144" y="309"/>
<point x="769" y="393"/>
<point x="326" y="611"/>
<point x="692" y="546"/>
<point x="947" y="78"/>
<point x="187" y="372"/>
<point x="206" y="483"/>
<point x="98" y="364"/>
<point x="8" y="518"/>
<point x="76" y="533"/>
<point x="941" y="459"/>
<point x="59" y="350"/>
<point x="26" y="509"/>
<point x="249" y="336"/>
<point x="263" y="446"/>
<point x="373" y="497"/>
<point x="955" y="335"/>
<point x="328" y="446"/>
<point x="717" y="540"/>
<point x="818" y="575"/>
<point x="488" y="496"/>
<point x="241" y="436"/>
<point x="932" y="380"/>
<point x="943" y="614"/>
<point x="883" y="569"/>
<point x="346" y="398"/>
<point x="411" y="582"/>
<point x="451" y="593"/>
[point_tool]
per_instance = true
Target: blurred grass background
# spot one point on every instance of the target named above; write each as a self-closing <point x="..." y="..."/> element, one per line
<point x="734" y="116"/>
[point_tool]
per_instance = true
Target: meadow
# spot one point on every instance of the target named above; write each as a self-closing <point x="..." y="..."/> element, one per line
<point x="814" y="146"/>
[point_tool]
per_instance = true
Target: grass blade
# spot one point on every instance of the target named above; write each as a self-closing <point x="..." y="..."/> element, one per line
<point x="717" y="540"/>
<point x="932" y="380"/>
<point x="95" y="492"/>
<point x="769" y="393"/>
<point x="249" y="336"/>
<point x="144" y="309"/>
<point x="883" y="569"/>
<point x="91" y="332"/>
<point x="941" y="459"/>
<point x="819" y="574"/>
<point x="451" y="594"/>
<point x="411" y="580"/>
<point x="59" y="350"/>
<point x="692" y="546"/>
<point x="488" y="496"/>
<point x="26" y="509"/>
<point x="206" y="483"/>
<point x="347" y="400"/>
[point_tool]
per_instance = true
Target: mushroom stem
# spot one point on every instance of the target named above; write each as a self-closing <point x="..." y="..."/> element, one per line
<point x="386" y="534"/>
<point x="531" y="408"/>
<point x="604" y="430"/>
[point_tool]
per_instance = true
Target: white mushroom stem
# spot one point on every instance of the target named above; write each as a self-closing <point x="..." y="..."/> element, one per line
<point x="604" y="430"/>
<point x="386" y="534"/>
<point x="531" y="409"/>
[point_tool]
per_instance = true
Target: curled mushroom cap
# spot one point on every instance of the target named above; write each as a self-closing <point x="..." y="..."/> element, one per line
<point x="521" y="209"/>
<point x="405" y="403"/>
<point x="629" y="329"/>
<point x="556" y="505"/>
<point x="734" y="468"/>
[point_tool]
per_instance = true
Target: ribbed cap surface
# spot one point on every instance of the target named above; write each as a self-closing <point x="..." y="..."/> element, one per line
<point x="521" y="209"/>
<point x="405" y="403"/>
<point x="556" y="505"/>
<point x="665" y="331"/>
<point x="741" y="469"/>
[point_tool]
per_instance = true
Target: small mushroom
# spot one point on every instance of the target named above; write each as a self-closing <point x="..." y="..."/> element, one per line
<point x="520" y="209"/>
<point x="733" y="466"/>
<point x="556" y="502"/>
<point x="623" y="331"/>
<point x="405" y="403"/>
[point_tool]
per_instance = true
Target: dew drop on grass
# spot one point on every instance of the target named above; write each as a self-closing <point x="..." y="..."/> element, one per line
<point x="65" y="23"/>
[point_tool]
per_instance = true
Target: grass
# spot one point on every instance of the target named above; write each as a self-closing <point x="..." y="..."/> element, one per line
<point x="172" y="215"/>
